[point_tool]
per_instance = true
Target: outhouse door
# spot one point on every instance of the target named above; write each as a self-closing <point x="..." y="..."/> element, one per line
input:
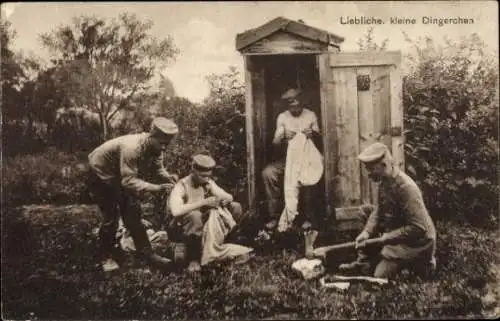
<point x="361" y="103"/>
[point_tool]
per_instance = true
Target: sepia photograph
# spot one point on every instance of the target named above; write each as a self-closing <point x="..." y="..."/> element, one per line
<point x="260" y="160"/>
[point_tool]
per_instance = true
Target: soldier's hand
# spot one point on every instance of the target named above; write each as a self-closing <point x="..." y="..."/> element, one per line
<point x="147" y="224"/>
<point x="289" y="134"/>
<point x="308" y="132"/>
<point x="212" y="201"/>
<point x="224" y="202"/>
<point x="167" y="187"/>
<point x="361" y="239"/>
<point x="173" y="178"/>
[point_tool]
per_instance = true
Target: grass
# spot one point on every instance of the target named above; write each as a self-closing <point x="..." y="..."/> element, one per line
<point x="50" y="271"/>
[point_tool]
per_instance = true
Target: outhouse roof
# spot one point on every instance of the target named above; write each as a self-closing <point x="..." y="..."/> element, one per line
<point x="298" y="28"/>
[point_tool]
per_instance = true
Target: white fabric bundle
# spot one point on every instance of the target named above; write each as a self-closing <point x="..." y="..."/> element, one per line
<point x="304" y="167"/>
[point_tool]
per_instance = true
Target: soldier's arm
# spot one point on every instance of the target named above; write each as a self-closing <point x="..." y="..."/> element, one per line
<point x="176" y="202"/>
<point x="161" y="172"/>
<point x="315" y="125"/>
<point x="220" y="193"/>
<point x="415" y="212"/>
<point x="372" y="223"/>
<point x="129" y="173"/>
<point x="279" y="133"/>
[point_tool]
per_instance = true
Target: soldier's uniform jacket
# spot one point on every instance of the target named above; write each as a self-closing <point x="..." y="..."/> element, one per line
<point x="403" y="216"/>
<point x="127" y="161"/>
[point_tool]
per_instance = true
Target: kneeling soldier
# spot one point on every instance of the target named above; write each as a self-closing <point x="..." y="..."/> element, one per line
<point x="410" y="235"/>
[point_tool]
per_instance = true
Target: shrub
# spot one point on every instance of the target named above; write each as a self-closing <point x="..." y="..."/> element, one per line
<point x="223" y="123"/>
<point x="451" y="116"/>
<point x="47" y="178"/>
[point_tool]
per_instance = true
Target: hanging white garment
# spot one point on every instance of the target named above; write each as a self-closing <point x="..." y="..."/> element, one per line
<point x="304" y="167"/>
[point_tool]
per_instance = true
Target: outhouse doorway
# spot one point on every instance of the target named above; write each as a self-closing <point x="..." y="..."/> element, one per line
<point x="280" y="73"/>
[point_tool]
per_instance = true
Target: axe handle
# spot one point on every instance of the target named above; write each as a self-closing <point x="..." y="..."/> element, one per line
<point x="325" y="249"/>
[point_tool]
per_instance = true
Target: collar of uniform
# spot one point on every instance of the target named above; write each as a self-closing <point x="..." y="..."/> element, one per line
<point x="391" y="179"/>
<point x="148" y="147"/>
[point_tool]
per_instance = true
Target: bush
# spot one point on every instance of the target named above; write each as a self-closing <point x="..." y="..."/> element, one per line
<point x="451" y="116"/>
<point x="223" y="124"/>
<point x="52" y="177"/>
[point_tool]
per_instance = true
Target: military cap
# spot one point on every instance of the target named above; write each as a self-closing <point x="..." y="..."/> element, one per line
<point x="203" y="162"/>
<point x="291" y="93"/>
<point x="372" y="153"/>
<point x="164" y="126"/>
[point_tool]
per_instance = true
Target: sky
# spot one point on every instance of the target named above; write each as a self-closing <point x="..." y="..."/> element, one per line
<point x="205" y="32"/>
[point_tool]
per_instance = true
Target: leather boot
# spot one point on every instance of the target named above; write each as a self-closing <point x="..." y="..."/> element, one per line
<point x="157" y="260"/>
<point x="355" y="267"/>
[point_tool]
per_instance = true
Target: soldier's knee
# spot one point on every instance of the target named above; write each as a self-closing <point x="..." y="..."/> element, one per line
<point x="236" y="211"/>
<point x="386" y="269"/>
<point x="269" y="173"/>
<point x="196" y="217"/>
<point x="236" y="207"/>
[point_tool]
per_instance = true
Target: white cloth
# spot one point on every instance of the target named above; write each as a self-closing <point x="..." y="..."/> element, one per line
<point x="220" y="222"/>
<point x="309" y="269"/>
<point x="304" y="167"/>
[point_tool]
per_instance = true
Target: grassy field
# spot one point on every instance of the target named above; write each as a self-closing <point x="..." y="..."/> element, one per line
<point x="50" y="271"/>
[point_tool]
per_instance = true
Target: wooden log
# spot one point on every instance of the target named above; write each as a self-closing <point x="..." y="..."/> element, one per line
<point x="341" y="278"/>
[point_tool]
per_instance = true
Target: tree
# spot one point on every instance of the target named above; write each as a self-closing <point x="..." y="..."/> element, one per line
<point x="367" y="42"/>
<point x="107" y="62"/>
<point x="166" y="87"/>
<point x="18" y="74"/>
<point x="12" y="72"/>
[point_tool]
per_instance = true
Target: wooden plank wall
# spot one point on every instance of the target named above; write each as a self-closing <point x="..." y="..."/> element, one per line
<point x="256" y="127"/>
<point x="249" y="121"/>
<point x="346" y="102"/>
<point x="367" y="132"/>
<point x="328" y="120"/>
<point x="381" y="103"/>
<point x="396" y="92"/>
<point x="284" y="43"/>
<point x="363" y="117"/>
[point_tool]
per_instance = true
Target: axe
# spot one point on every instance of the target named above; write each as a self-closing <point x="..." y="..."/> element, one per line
<point x="321" y="252"/>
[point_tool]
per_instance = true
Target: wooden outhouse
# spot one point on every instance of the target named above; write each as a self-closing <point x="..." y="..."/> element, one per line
<point x="357" y="97"/>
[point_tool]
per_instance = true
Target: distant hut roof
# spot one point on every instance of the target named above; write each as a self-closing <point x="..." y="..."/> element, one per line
<point x="298" y="28"/>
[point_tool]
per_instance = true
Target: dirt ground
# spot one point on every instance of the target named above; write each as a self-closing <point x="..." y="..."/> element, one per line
<point x="50" y="270"/>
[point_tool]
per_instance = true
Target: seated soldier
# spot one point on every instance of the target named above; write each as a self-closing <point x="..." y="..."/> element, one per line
<point x="290" y="122"/>
<point x="190" y="202"/>
<point x="409" y="234"/>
